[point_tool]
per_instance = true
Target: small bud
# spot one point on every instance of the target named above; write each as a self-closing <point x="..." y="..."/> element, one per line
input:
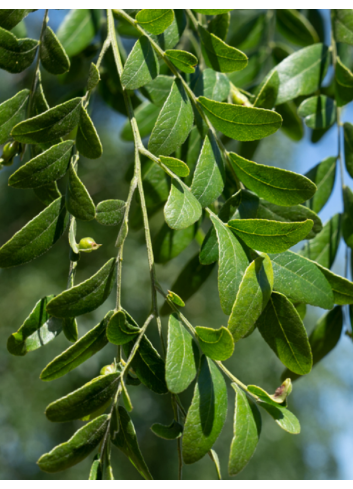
<point x="283" y="391"/>
<point x="9" y="151"/>
<point x="87" y="245"/>
<point x="108" y="369"/>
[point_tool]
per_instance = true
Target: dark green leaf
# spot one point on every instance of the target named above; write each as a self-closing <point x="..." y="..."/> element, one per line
<point x="52" y="124"/>
<point x="283" y="417"/>
<point x="283" y="330"/>
<point x="119" y="330"/>
<point x="174" y="122"/>
<point x="87" y="140"/>
<point x="146" y="116"/>
<point x="141" y="66"/>
<point x="281" y="187"/>
<point x="182" y="59"/>
<point x="267" y="92"/>
<point x="270" y="236"/>
<point x="12" y="112"/>
<point x="96" y="471"/>
<point x="70" y="453"/>
<point x="79" y="352"/>
<point x="110" y="212"/>
<point x="84" y="400"/>
<point x="86" y="296"/>
<point x="52" y="54"/>
<point x="219" y="25"/>
<point x="36" y="237"/>
<point x="295" y="27"/>
<point x="347" y="220"/>
<point x="302" y="72"/>
<point x="171" y="432"/>
<point x="323" y="175"/>
<point x="342" y="21"/>
<point x="157" y="90"/>
<point x="182" y="208"/>
<point x="341" y="287"/>
<point x="207" y="413"/>
<point x="16" y="54"/>
<point x="318" y="112"/>
<point x="232" y="265"/>
<point x="212" y="85"/>
<point x="70" y="329"/>
<point x="126" y="440"/>
<point x="9" y="18"/>
<point x="78" y="30"/>
<point x="348" y="147"/>
<point x="48" y="193"/>
<point x="217" y="344"/>
<point x="246" y="430"/>
<point x="36" y="331"/>
<point x="93" y="77"/>
<point x="182" y="359"/>
<point x="169" y="243"/>
<point x="323" y="248"/>
<point x="292" y="125"/>
<point x="39" y="102"/>
<point x="208" y="180"/>
<point x="344" y="84"/>
<point x="78" y="201"/>
<point x="239" y="122"/>
<point x="300" y="280"/>
<point x="171" y="36"/>
<point x="45" y="168"/>
<point x="254" y="292"/>
<point x="178" y="167"/>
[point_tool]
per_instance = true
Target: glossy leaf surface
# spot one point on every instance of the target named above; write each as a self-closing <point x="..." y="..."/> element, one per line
<point x="318" y="112"/>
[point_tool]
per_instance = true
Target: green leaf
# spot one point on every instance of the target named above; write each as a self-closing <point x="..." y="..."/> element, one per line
<point x="52" y="54"/>
<point x="217" y="344"/>
<point x="175" y="298"/>
<point x="36" y="237"/>
<point x="141" y="66"/>
<point x="48" y="193"/>
<point x="110" y="212"/>
<point x="78" y="201"/>
<point x="93" y="77"/>
<point x="207" y="413"/>
<point x="341" y="287"/>
<point x="126" y="397"/>
<point x="126" y="440"/>
<point x="16" y="54"/>
<point x="279" y="397"/>
<point x="344" y="84"/>
<point x="283" y="417"/>
<point x="157" y="90"/>
<point x="232" y="265"/>
<point x="215" y="459"/>
<point x="70" y="453"/>
<point x="171" y="432"/>
<point x="146" y="116"/>
<point x="36" y="331"/>
<point x="174" y="122"/>
<point x="96" y="471"/>
<point x="79" y="352"/>
<point x="70" y="329"/>
<point x="324" y="336"/>
<point x="86" y="296"/>
<point x="219" y="55"/>
<point x="342" y="23"/>
<point x="323" y="175"/>
<point x="169" y="243"/>
<point x="239" y="122"/>
<point x="182" y="208"/>
<point x="295" y="27"/>
<point x="300" y="280"/>
<point x="147" y="363"/>
<point x="171" y="36"/>
<point x="283" y="330"/>
<point x="347" y="222"/>
<point x="323" y="248"/>
<point x="270" y="236"/>
<point x="210" y="11"/>
<point x="219" y="25"/>
<point x="292" y="125"/>
<point x="267" y="92"/>
<point x="302" y="72"/>
<point x="78" y="30"/>
<point x="253" y="295"/>
<point x="348" y="147"/>
<point x="87" y="140"/>
<point x="190" y="279"/>
<point x="281" y="187"/>
<point x="318" y="112"/>
<point x="9" y="18"/>
<point x="155" y="21"/>
<point x="182" y="59"/>
<point x="208" y="180"/>
<point x="84" y="400"/>
<point x="52" y="124"/>
<point x="246" y="430"/>
<point x="182" y="359"/>
<point x="12" y="112"/>
<point x="178" y="167"/>
<point x="119" y="330"/>
<point x="45" y="168"/>
<point x="39" y="102"/>
<point x="212" y="85"/>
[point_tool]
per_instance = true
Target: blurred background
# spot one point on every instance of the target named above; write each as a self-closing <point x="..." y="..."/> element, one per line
<point x="322" y="401"/>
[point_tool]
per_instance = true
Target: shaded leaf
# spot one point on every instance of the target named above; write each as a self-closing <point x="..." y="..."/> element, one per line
<point x="96" y="471"/>
<point x="171" y="36"/>
<point x="70" y="329"/>
<point x="141" y="66"/>
<point x="292" y="125"/>
<point x="146" y="116"/>
<point x="217" y="344"/>
<point x="210" y="11"/>
<point x="9" y="18"/>
<point x="348" y="147"/>
<point x="119" y="330"/>
<point x="295" y="27"/>
<point x="78" y="30"/>
<point x="93" y="77"/>
<point x="323" y="175"/>
<point x="48" y="193"/>
<point x="78" y="201"/>
<point x="283" y="417"/>
<point x="341" y="287"/>
<point x="87" y="139"/>
<point x="16" y="54"/>
<point x="171" y="432"/>
<point x="342" y="23"/>
<point x="219" y="25"/>
<point x="169" y="243"/>
<point x="212" y="85"/>
<point x="110" y="212"/>
<point x="52" y="54"/>
<point x="157" y="90"/>
<point x="12" y="112"/>
<point x="344" y="84"/>
<point x="318" y="112"/>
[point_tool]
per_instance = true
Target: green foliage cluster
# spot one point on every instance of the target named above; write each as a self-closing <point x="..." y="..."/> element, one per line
<point x="184" y="110"/>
